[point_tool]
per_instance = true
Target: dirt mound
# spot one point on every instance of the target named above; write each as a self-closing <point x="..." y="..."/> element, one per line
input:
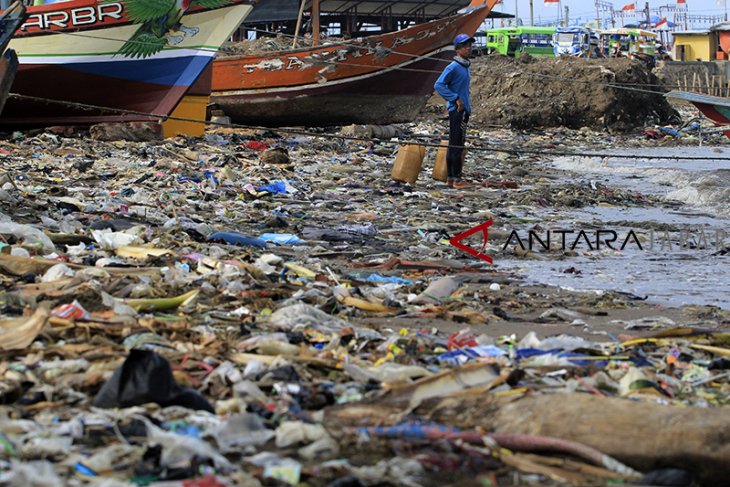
<point x="550" y="92"/>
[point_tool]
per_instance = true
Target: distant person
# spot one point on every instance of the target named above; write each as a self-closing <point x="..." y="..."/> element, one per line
<point x="453" y="86"/>
<point x="662" y="54"/>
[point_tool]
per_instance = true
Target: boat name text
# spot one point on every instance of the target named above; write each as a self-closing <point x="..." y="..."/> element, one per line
<point x="75" y="17"/>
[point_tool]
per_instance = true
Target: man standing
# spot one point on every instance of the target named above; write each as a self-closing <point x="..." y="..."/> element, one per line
<point x="453" y="86"/>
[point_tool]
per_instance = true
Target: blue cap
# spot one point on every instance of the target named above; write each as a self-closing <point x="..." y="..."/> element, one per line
<point x="462" y="39"/>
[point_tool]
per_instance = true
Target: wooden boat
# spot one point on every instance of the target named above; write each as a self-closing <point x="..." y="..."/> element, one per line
<point x="10" y="21"/>
<point x="123" y="54"/>
<point x="380" y="79"/>
<point x="716" y="108"/>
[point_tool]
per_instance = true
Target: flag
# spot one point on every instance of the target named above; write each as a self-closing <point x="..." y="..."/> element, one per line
<point x="682" y="2"/>
<point x="552" y="3"/>
<point x="661" y="24"/>
<point x="629" y="7"/>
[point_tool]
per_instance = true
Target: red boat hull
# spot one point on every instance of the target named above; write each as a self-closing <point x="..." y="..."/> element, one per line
<point x="380" y="97"/>
<point x="382" y="79"/>
<point x="127" y="95"/>
<point x="716" y="108"/>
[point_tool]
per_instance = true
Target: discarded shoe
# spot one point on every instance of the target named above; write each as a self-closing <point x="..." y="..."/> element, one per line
<point x="461" y="185"/>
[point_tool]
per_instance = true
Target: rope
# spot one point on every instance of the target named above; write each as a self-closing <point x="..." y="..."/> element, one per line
<point x="292" y="131"/>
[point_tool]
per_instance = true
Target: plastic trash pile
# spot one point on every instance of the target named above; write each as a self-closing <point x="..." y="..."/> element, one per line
<point x="184" y="314"/>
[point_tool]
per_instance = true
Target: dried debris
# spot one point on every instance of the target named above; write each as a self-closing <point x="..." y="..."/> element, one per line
<point x="240" y="321"/>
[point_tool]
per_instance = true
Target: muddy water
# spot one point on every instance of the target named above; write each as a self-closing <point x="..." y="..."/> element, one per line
<point x="678" y="262"/>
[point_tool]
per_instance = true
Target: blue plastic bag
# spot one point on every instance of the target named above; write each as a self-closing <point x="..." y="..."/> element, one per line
<point x="235" y="238"/>
<point x="281" y="238"/>
<point x="278" y="187"/>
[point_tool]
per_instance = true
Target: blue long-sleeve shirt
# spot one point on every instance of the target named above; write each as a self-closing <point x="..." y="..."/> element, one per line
<point x="453" y="84"/>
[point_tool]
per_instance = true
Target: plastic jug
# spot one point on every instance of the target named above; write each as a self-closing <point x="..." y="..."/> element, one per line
<point x="440" y="169"/>
<point x="408" y="163"/>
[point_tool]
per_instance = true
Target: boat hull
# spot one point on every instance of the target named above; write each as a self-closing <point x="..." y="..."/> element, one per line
<point x="382" y="79"/>
<point x="380" y="97"/>
<point x="8" y="71"/>
<point x="10" y="21"/>
<point x="85" y="67"/>
<point x="715" y="108"/>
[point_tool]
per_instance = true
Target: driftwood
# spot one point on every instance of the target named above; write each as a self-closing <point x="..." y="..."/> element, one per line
<point x="130" y="131"/>
<point x="17" y="266"/>
<point x="643" y="435"/>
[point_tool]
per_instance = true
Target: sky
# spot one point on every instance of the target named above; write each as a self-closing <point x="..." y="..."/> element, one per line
<point x="586" y="8"/>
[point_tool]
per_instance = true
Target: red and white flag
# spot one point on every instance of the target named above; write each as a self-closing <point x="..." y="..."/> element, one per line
<point x="552" y="3"/>
<point x="682" y="2"/>
<point x="661" y="24"/>
<point x="629" y="7"/>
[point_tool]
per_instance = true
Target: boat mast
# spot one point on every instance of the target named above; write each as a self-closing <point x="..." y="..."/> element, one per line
<point x="315" y="21"/>
<point x="299" y="24"/>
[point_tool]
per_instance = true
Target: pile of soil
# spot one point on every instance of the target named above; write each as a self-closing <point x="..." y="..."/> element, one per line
<point x="531" y="92"/>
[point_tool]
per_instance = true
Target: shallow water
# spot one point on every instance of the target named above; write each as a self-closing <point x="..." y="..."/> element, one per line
<point x="704" y="185"/>
<point x="682" y="275"/>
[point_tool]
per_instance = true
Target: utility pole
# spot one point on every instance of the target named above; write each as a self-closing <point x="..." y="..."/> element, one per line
<point x="566" y="20"/>
<point x="517" y="12"/>
<point x="598" y="16"/>
<point x="560" y="12"/>
<point x="648" y="16"/>
<point x="532" y="13"/>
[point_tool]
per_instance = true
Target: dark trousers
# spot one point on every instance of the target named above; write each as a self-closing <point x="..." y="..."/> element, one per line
<point x="457" y="137"/>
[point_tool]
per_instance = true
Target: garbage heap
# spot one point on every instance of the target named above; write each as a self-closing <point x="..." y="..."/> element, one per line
<point x="530" y="92"/>
<point x="186" y="314"/>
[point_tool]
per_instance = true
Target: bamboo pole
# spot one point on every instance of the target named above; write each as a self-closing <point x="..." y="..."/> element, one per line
<point x="707" y="82"/>
<point x="299" y="24"/>
<point x="686" y="83"/>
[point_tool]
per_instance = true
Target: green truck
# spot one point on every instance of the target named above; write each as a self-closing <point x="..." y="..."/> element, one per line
<point x="513" y="41"/>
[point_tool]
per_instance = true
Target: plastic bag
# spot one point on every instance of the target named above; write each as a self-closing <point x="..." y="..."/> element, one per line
<point x="28" y="233"/>
<point x="235" y="238"/>
<point x="146" y="377"/>
<point x="281" y="238"/>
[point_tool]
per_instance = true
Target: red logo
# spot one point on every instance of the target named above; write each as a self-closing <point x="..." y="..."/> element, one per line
<point x="484" y="229"/>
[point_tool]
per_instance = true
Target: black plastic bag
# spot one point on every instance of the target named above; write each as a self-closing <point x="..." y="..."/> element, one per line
<point x="146" y="377"/>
